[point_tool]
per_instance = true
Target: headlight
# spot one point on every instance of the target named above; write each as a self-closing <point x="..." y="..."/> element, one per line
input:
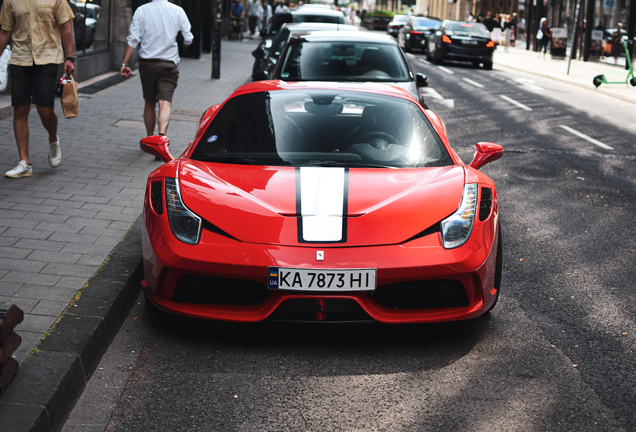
<point x="456" y="228"/>
<point x="185" y="225"/>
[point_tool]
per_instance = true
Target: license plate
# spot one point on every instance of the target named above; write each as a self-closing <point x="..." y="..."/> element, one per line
<point x="321" y="279"/>
<point x="470" y="42"/>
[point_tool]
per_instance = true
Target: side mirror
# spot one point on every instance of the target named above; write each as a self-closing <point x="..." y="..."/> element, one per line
<point x="421" y="80"/>
<point x="484" y="153"/>
<point x="157" y="145"/>
<point x="258" y="53"/>
<point x="259" y="76"/>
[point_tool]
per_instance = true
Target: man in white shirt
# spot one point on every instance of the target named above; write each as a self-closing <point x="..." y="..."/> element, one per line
<point x="252" y="15"/>
<point x="155" y="25"/>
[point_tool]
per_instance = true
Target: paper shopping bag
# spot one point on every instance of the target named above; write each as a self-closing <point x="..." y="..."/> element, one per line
<point x="70" y="104"/>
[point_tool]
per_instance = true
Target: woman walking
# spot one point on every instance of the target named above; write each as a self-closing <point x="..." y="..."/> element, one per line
<point x="544" y="36"/>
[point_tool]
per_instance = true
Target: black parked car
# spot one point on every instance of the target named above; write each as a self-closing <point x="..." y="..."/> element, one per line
<point x="414" y="34"/>
<point x="393" y="28"/>
<point x="461" y="41"/>
<point x="348" y="57"/>
<point x="263" y="66"/>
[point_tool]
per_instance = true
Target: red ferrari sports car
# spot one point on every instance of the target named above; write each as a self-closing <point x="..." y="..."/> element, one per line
<point x="314" y="201"/>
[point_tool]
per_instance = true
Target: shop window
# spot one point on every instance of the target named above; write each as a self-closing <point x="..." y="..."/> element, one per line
<point x="91" y="25"/>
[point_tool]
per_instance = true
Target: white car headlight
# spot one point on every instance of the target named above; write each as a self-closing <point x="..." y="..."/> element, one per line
<point x="185" y="225"/>
<point x="456" y="228"/>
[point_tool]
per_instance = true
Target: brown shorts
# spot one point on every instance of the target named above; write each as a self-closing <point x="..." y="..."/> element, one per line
<point x="158" y="79"/>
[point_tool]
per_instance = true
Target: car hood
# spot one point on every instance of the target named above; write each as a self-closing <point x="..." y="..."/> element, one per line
<point x="301" y="206"/>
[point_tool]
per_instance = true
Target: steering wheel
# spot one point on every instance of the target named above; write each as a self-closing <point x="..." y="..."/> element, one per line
<point x="375" y="138"/>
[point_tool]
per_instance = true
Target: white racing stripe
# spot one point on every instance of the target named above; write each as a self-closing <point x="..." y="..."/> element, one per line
<point x="322" y="203"/>
<point x="514" y="102"/>
<point x="448" y="71"/>
<point x="586" y="138"/>
<point x="475" y="83"/>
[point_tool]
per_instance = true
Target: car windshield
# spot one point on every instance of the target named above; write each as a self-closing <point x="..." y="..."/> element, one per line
<point x="338" y="61"/>
<point x="427" y="24"/>
<point x="400" y="18"/>
<point x="470" y="29"/>
<point x="321" y="128"/>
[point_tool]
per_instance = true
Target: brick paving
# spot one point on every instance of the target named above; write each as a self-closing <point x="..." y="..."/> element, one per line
<point x="59" y="226"/>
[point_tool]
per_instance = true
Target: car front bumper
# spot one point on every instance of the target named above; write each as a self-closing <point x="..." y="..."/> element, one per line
<point x="224" y="279"/>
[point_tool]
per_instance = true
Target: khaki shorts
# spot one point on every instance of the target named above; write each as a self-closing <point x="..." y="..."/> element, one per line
<point x="158" y="79"/>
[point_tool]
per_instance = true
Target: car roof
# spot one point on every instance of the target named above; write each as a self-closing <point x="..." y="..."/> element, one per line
<point x="367" y="87"/>
<point x="313" y="11"/>
<point x="309" y="26"/>
<point x="359" y="36"/>
<point x="423" y="18"/>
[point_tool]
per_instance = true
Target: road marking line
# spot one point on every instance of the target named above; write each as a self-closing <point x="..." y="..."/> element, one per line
<point x="426" y="62"/>
<point x="475" y="83"/>
<point x="528" y="83"/>
<point x="585" y="137"/>
<point x="514" y="102"/>
<point x="431" y="93"/>
<point x="448" y="71"/>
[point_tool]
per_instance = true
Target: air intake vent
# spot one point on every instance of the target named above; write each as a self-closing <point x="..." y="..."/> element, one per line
<point x="156" y="196"/>
<point x="485" y="205"/>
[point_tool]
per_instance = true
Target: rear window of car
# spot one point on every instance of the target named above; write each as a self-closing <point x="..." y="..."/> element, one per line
<point x="338" y="61"/>
<point x="476" y="29"/>
<point x="334" y="19"/>
<point x="317" y="127"/>
<point x="427" y="24"/>
<point x="400" y="18"/>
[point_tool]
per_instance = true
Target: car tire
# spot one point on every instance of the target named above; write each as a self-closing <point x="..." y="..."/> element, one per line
<point x="429" y="57"/>
<point x="498" y="269"/>
<point x="438" y="60"/>
<point x="488" y="65"/>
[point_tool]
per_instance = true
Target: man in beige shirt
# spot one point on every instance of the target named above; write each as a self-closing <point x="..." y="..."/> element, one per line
<point x="36" y="28"/>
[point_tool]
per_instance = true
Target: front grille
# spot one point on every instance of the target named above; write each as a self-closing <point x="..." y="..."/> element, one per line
<point x="304" y="309"/>
<point x="426" y="294"/>
<point x="191" y="288"/>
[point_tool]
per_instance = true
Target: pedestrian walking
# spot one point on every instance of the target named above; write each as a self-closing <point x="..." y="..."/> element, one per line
<point x="268" y="15"/>
<point x="252" y="16"/>
<point x="37" y="54"/>
<point x="617" y="43"/>
<point x="237" y="13"/>
<point x="154" y="27"/>
<point x="544" y="36"/>
<point x="507" y="30"/>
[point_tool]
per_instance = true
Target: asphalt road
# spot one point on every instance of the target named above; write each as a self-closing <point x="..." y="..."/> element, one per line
<point x="557" y="353"/>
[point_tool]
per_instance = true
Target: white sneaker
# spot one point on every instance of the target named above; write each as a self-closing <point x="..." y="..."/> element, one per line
<point x="22" y="170"/>
<point x="55" y="153"/>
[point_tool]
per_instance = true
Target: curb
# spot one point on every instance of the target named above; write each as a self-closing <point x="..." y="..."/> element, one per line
<point x="49" y="383"/>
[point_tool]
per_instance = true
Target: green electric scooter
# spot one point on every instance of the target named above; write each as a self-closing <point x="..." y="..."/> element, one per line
<point x="600" y="79"/>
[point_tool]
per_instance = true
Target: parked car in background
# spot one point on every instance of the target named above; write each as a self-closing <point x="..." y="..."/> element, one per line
<point x="393" y="28"/>
<point x="346" y="57"/>
<point x="414" y="34"/>
<point x="300" y="15"/>
<point x="461" y="41"/>
<point x="284" y="207"/>
<point x="264" y="65"/>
